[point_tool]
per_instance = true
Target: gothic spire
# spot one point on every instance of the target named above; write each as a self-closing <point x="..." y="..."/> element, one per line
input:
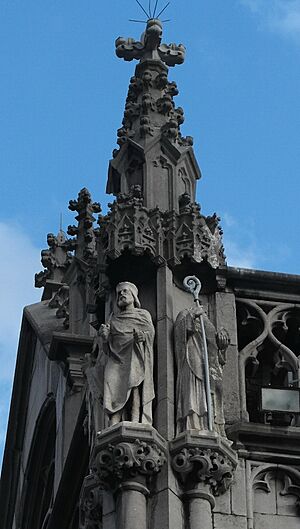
<point x="151" y="123"/>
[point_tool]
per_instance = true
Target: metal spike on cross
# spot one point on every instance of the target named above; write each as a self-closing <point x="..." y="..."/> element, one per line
<point x="151" y="13"/>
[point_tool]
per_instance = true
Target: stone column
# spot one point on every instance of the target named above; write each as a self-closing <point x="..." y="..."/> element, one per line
<point x="131" y="505"/>
<point x="201" y="503"/>
<point x="204" y="463"/>
<point x="124" y="458"/>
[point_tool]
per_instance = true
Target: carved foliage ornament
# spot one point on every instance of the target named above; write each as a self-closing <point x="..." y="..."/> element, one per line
<point x="206" y="466"/>
<point x="125" y="460"/>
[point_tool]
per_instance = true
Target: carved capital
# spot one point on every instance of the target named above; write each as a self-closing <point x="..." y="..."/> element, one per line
<point x="129" y="459"/>
<point x="128" y="452"/>
<point x="205" y="460"/>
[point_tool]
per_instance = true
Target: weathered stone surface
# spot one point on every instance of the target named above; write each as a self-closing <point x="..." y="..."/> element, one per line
<point x="164" y="417"/>
<point x="166" y="510"/>
<point x="165" y="358"/>
<point x="109" y="521"/>
<point x="265" y="501"/>
<point x="225" y="521"/>
<point x="238" y="490"/>
<point x="223" y="503"/>
<point x="165" y="371"/>
<point x="288" y="505"/>
<point x="268" y="521"/>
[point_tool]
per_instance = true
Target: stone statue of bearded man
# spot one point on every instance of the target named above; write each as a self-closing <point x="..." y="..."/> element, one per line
<point x="127" y="342"/>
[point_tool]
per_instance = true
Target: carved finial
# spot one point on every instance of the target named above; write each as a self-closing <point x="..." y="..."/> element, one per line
<point x="84" y="232"/>
<point x="150" y="47"/>
<point x="55" y="260"/>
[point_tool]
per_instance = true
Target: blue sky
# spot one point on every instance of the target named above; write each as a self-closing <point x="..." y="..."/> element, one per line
<point x="62" y="94"/>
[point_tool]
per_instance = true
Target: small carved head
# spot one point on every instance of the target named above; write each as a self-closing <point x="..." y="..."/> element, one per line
<point x="127" y="295"/>
<point x="51" y="240"/>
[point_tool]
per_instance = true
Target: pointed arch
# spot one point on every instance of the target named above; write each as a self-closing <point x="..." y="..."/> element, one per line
<point x="37" y="495"/>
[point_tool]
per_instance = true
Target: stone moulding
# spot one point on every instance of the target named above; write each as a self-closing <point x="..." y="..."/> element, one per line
<point x="127" y="451"/>
<point x="203" y="458"/>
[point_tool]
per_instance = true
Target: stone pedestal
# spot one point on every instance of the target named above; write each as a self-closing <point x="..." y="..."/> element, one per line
<point x="124" y="461"/>
<point x="204" y="463"/>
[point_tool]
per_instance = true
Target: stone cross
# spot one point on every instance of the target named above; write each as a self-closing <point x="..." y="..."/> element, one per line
<point x="150" y="47"/>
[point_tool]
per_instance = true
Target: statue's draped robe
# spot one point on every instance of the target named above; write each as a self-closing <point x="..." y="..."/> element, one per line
<point x="189" y="351"/>
<point x="129" y="363"/>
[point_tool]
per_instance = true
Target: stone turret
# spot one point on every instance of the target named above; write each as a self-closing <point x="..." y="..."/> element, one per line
<point x="152" y="152"/>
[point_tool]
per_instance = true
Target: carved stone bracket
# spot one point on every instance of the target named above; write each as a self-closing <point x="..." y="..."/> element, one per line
<point x="207" y="460"/>
<point x="128" y="452"/>
<point x="70" y="349"/>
